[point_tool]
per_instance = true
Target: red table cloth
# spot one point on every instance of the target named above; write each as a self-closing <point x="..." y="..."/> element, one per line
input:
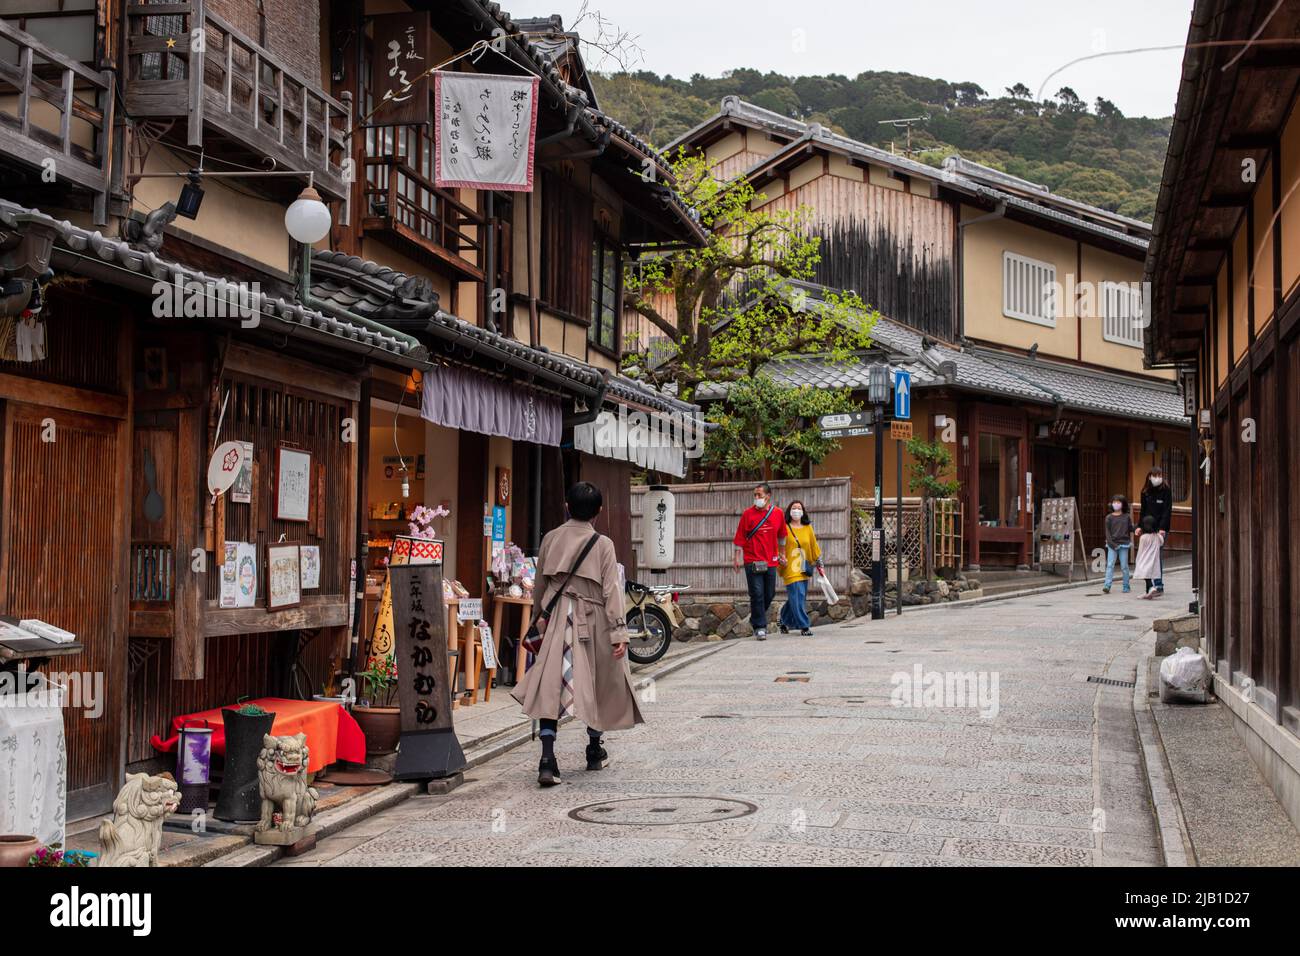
<point x="332" y="733"/>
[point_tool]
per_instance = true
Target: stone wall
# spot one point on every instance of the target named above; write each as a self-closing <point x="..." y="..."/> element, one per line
<point x="717" y="619"/>
<point x="1180" y="630"/>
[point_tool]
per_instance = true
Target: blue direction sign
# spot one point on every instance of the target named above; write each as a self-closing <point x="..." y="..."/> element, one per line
<point x="902" y="394"/>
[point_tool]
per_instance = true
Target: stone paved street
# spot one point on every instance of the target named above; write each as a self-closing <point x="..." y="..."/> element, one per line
<point x="790" y="752"/>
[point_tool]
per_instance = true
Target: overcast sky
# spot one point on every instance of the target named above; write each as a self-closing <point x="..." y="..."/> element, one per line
<point x="994" y="43"/>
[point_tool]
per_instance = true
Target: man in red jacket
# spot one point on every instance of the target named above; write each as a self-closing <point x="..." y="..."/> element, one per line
<point x="760" y="547"/>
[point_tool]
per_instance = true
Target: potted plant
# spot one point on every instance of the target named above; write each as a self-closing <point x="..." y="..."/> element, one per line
<point x="239" y="800"/>
<point x="379" y="720"/>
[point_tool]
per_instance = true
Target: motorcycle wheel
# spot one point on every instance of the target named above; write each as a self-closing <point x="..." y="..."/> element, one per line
<point x="649" y="641"/>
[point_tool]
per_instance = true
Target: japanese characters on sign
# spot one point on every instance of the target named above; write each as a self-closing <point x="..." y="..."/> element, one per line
<point x="398" y="69"/>
<point x="420" y="626"/>
<point x="486" y="131"/>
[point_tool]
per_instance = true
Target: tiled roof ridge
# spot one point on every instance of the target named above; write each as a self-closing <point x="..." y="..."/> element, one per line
<point x="118" y="252"/>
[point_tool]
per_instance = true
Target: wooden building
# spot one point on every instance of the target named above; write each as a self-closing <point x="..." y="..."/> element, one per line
<point x="1035" y="298"/>
<point x="108" y="529"/>
<point x="1224" y="263"/>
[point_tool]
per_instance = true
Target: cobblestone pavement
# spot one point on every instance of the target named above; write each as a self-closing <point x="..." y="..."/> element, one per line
<point x="790" y="752"/>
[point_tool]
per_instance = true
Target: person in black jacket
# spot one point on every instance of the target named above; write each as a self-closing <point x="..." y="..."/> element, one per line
<point x="1158" y="504"/>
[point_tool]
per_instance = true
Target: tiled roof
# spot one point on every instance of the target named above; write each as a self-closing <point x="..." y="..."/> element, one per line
<point x="1109" y="393"/>
<point x="94" y="246"/>
<point x="958" y="173"/>
<point x="411" y="304"/>
<point x="979" y="369"/>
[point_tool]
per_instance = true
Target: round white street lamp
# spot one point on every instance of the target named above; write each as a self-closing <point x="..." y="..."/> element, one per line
<point x="307" y="219"/>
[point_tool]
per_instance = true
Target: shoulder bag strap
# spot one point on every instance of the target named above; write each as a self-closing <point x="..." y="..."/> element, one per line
<point x="550" y="605"/>
<point x="761" y="521"/>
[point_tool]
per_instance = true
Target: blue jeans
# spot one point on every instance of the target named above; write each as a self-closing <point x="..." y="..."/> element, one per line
<point x="795" y="613"/>
<point x="762" y="589"/>
<point x="1120" y="554"/>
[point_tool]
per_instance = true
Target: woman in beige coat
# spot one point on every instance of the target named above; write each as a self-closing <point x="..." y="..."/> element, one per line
<point x="582" y="666"/>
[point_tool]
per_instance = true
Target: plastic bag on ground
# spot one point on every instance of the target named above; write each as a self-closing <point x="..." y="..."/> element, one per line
<point x="1185" y="678"/>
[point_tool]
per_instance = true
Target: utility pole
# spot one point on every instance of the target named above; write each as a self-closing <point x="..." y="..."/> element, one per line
<point x="905" y="122"/>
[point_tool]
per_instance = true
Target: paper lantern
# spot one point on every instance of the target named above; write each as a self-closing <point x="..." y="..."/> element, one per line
<point x="658" y="528"/>
<point x="193" y="764"/>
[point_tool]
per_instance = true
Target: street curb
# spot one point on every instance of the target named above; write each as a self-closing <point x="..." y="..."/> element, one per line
<point x="355" y="811"/>
<point x="1175" y="842"/>
<point x="1007" y="595"/>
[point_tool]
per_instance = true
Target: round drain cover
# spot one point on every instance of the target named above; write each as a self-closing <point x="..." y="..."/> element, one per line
<point x="1112" y="617"/>
<point x="663" y="811"/>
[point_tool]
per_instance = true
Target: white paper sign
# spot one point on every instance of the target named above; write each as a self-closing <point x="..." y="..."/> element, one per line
<point x="239" y="575"/>
<point x="310" y="557"/>
<point x="486" y="127"/>
<point x="489" y="649"/>
<point x="469" y="609"/>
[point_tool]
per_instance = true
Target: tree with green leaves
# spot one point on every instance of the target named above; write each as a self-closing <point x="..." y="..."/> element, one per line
<point x="724" y="310"/>
<point x="769" y="430"/>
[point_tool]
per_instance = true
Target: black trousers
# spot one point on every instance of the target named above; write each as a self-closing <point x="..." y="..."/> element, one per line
<point x="762" y="589"/>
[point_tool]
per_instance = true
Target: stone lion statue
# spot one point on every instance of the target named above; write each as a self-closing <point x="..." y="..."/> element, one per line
<point x="133" y="836"/>
<point x="282" y="778"/>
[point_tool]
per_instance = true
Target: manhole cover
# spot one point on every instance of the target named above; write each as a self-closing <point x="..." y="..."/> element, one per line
<point x="873" y="642"/>
<point x="663" y="811"/>
<point x="787" y="679"/>
<point x="838" y="700"/>
<point x="718" y="716"/>
<point x="1110" y="681"/>
<point x="1111" y="617"/>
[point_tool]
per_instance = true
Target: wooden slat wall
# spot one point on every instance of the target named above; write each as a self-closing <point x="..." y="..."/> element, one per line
<point x="268" y="414"/>
<point x="242" y="665"/>
<point x="60" y="545"/>
<point x="707" y="516"/>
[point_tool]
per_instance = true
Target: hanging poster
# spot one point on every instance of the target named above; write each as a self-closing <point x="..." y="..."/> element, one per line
<point x="283" y="577"/>
<point x="309" y="556"/>
<point x="239" y="575"/>
<point x="486" y="131"/>
<point x="399" y="68"/>
<point x="242" y="490"/>
<point x="292" y="484"/>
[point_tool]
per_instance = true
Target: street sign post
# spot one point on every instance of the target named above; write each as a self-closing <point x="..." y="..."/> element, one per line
<point x="900" y="431"/>
<point x="902" y="394"/>
<point x="845" y="425"/>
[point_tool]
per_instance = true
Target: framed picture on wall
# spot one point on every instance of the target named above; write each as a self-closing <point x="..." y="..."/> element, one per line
<point x="292" y="484"/>
<point x="283" y="577"/>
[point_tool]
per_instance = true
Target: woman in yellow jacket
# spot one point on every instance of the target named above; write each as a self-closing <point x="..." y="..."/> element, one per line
<point x="802" y="556"/>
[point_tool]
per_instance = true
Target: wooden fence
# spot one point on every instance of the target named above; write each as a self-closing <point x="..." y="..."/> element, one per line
<point x="707" y="516"/>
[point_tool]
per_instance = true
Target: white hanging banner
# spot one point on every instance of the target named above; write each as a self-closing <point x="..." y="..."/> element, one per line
<point x="486" y="131"/>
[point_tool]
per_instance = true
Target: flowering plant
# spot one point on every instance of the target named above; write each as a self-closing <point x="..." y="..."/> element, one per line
<point x="422" y="519"/>
<point x="379" y="678"/>
<point x="55" y="855"/>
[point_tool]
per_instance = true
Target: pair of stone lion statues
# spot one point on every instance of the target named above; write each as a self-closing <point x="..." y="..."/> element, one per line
<point x="134" y="835"/>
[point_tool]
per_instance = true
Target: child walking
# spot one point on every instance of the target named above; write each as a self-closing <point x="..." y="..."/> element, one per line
<point x="1119" y="539"/>
<point x="1148" y="564"/>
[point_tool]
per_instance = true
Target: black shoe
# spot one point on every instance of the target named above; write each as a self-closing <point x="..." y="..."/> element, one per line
<point x="783" y="629"/>
<point x="548" y="772"/>
<point x="597" y="759"/>
<point x="806" y="632"/>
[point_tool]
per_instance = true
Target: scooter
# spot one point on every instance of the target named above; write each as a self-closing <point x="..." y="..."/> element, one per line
<point x="652" y="614"/>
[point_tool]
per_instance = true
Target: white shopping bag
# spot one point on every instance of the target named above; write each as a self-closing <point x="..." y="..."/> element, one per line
<point x="825" y="584"/>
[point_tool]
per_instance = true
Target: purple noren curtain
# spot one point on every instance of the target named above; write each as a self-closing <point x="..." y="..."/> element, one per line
<point x="461" y="398"/>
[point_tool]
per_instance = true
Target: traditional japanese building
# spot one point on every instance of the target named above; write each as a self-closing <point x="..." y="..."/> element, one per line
<point x="1035" y="298"/>
<point x="1224" y="264"/>
<point x="437" y="345"/>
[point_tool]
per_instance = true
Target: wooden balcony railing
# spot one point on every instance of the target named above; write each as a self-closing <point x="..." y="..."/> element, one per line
<point x="61" y="112"/>
<point x="186" y="61"/>
<point x="432" y="222"/>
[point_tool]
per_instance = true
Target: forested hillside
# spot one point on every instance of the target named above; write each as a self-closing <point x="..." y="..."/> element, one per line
<point x="1087" y="151"/>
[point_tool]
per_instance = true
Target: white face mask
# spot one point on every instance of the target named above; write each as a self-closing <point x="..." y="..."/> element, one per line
<point x="760" y="502"/>
<point x="1155" y="481"/>
<point x="796" y="514"/>
<point x="1116" y="506"/>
